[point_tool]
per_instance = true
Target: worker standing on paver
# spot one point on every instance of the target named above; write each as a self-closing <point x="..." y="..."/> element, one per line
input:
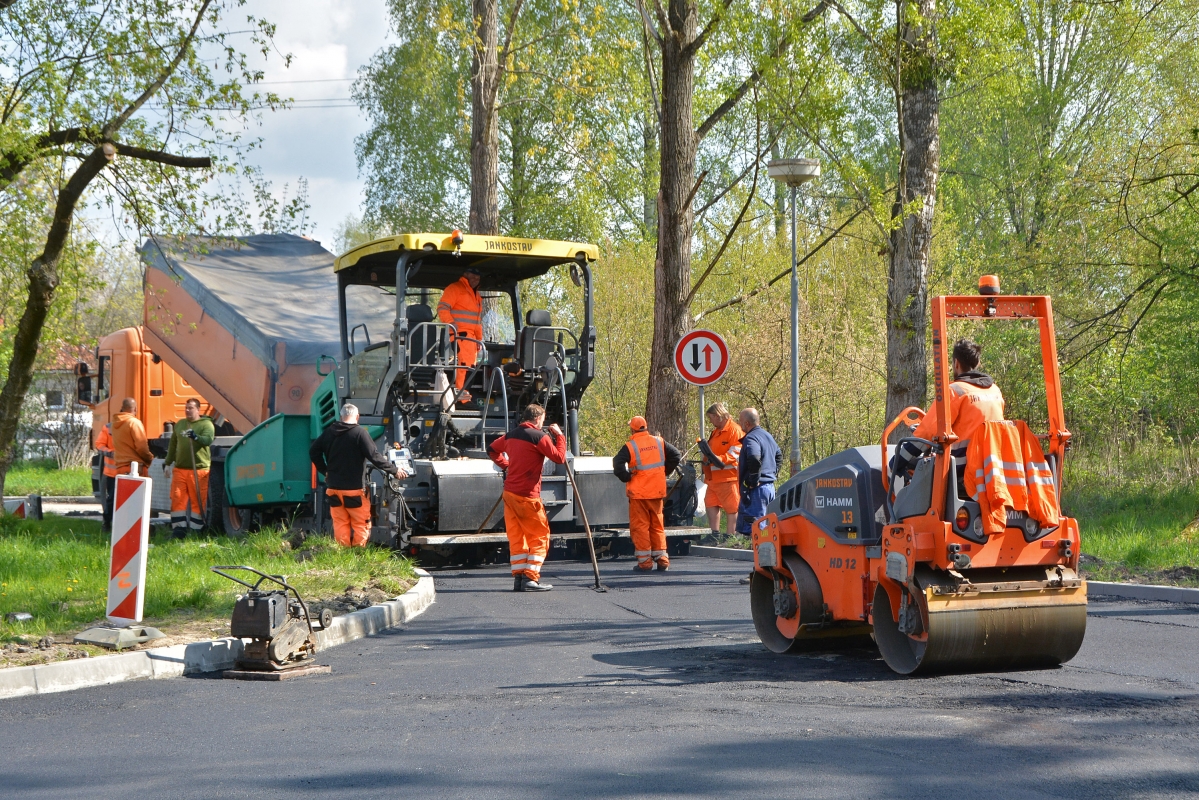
<point x="188" y="460"/>
<point x="757" y="469"/>
<point x="108" y="475"/>
<point x="721" y="452"/>
<point x="340" y="453"/>
<point x="521" y="453"/>
<point x="462" y="307"/>
<point x="643" y="464"/>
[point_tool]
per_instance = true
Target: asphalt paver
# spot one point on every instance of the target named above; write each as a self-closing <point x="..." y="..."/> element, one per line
<point x="657" y="688"/>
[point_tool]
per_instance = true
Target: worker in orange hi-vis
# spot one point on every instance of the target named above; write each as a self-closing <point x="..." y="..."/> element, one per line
<point x="462" y="307"/>
<point x="188" y="462"/>
<point x="643" y="464"/>
<point x="521" y="453"/>
<point x="721" y="452"/>
<point x="974" y="399"/>
<point x="340" y="453"/>
<point x="108" y="477"/>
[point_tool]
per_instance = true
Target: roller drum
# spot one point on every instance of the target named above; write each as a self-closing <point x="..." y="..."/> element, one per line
<point x="985" y="630"/>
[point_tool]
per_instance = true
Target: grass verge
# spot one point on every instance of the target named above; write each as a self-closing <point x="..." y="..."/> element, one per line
<point x="56" y="570"/>
<point x="45" y="478"/>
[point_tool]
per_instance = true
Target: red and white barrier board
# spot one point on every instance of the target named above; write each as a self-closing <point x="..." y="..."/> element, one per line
<point x="130" y="545"/>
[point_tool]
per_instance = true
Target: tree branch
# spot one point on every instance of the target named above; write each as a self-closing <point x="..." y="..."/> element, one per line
<point x="733" y="99"/>
<point x="649" y="23"/>
<point x="741" y="298"/>
<point x="699" y="41"/>
<point x="728" y="237"/>
<point x="114" y="124"/>
<point x="160" y="157"/>
<point x="11" y="163"/>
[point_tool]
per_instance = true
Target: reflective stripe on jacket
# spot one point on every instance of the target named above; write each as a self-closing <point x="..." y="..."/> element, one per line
<point x="725" y="443"/>
<point x="105" y="447"/>
<point x="1006" y="469"/>
<point x="647" y="463"/>
<point x="462" y="307"/>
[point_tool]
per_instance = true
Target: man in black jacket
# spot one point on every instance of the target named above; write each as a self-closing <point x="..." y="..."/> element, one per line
<point x="340" y="453"/>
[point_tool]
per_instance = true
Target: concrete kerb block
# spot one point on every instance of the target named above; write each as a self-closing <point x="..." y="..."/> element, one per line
<point x="63" y="676"/>
<point x="1137" y="591"/>
<point x="379" y="617"/>
<point x="208" y="656"/>
<point x="730" y="553"/>
<point x="17" y="681"/>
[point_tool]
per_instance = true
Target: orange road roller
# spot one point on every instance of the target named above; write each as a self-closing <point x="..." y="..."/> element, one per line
<point x="962" y="562"/>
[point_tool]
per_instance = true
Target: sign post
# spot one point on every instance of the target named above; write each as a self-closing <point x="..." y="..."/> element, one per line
<point x="701" y="358"/>
<point x="128" y="549"/>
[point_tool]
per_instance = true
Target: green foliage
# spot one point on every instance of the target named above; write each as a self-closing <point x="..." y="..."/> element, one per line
<point x="57" y="571"/>
<point x="45" y="478"/>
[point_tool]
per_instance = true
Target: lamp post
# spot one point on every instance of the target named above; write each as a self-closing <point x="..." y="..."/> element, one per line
<point x="794" y="172"/>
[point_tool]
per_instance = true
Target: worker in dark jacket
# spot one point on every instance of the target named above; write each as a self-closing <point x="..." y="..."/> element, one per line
<point x="521" y="453"/>
<point x="757" y="469"/>
<point x="643" y="464"/>
<point x="187" y="464"/>
<point x="340" y="453"/>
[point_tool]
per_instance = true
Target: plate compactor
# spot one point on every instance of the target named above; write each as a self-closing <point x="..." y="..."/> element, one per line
<point x="852" y="547"/>
<point x="282" y="642"/>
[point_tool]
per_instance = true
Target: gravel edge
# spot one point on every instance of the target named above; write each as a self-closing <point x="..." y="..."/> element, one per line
<point x="206" y="656"/>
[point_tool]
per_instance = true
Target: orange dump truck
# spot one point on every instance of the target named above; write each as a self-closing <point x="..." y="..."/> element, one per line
<point x="240" y="324"/>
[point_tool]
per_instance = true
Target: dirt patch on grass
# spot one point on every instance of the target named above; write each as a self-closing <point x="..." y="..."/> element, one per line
<point x="1093" y="568"/>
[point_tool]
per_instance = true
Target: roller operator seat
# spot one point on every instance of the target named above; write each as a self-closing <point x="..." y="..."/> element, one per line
<point x="535" y="348"/>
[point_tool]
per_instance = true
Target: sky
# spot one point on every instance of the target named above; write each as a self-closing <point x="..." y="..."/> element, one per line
<point x="328" y="40"/>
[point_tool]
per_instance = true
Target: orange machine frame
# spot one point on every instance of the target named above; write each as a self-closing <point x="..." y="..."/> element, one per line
<point x="926" y="539"/>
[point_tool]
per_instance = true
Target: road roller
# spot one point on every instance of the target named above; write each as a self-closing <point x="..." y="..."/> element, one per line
<point x="858" y="546"/>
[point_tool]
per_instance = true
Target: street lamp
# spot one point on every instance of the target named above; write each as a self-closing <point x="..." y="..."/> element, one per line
<point x="794" y="172"/>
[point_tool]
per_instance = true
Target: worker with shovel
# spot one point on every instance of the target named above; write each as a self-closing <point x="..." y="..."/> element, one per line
<point x="187" y="462"/>
<point x="521" y="453"/>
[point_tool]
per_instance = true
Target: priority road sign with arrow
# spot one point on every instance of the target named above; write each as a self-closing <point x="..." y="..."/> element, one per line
<point x="701" y="357"/>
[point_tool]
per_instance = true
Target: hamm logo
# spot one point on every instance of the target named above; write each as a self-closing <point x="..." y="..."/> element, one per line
<point x="833" y="502"/>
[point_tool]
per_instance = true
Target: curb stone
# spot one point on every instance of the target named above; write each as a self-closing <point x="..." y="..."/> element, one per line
<point x="730" y="553"/>
<point x="1130" y="591"/>
<point x="1140" y="591"/>
<point x="207" y="656"/>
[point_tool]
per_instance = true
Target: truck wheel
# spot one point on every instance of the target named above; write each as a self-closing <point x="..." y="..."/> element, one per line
<point x="222" y="517"/>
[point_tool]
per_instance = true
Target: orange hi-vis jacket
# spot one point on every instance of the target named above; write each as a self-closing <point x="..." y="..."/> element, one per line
<point x="1006" y="469"/>
<point x="725" y="443"/>
<point x="973" y="400"/>
<point x="647" y="463"/>
<point x="462" y="307"/>
<point x="107" y="450"/>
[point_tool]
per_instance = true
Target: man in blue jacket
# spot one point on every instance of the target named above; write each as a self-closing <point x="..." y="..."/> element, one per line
<point x="757" y="468"/>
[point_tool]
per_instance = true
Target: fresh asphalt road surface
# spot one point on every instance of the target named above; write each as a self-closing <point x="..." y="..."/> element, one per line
<point x="657" y="688"/>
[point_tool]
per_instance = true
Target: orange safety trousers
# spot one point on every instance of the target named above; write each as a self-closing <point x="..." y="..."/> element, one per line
<point x="186" y="504"/>
<point x="468" y="353"/>
<point x="351" y="516"/>
<point x="528" y="534"/>
<point x="648" y="532"/>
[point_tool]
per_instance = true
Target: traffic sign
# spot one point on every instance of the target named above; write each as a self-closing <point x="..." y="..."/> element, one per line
<point x="701" y="357"/>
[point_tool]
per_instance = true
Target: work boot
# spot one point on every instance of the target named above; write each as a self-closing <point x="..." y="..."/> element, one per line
<point x="639" y="568"/>
<point x="518" y="583"/>
<point x="663" y="565"/>
<point x="533" y="586"/>
<point x="179" y="536"/>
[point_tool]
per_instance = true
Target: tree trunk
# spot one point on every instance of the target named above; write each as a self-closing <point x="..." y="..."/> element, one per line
<point x="43" y="281"/>
<point x="484" y="122"/>
<point x="911" y="241"/>
<point x="649" y="186"/>
<point x="666" y="398"/>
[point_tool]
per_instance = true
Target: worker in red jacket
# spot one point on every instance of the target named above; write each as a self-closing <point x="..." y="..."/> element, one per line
<point x="521" y="453"/>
